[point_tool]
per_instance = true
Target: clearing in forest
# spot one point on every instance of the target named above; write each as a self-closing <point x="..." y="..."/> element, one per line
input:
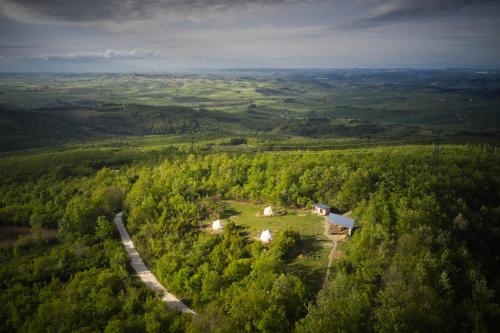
<point x="311" y="259"/>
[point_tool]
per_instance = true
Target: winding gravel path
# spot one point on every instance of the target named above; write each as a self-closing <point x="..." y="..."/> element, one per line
<point x="331" y="256"/>
<point x="144" y="273"/>
<point x="333" y="238"/>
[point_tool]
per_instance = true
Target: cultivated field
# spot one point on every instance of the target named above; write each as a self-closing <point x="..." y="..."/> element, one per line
<point x="380" y="105"/>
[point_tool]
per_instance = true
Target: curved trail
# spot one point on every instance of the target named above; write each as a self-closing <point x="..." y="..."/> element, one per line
<point x="331" y="255"/>
<point x="144" y="273"/>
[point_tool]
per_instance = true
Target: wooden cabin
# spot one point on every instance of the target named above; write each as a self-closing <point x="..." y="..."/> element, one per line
<point x="340" y="225"/>
<point x="321" y="209"/>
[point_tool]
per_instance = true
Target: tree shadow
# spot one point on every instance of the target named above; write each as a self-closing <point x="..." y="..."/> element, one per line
<point x="312" y="276"/>
<point x="229" y="212"/>
<point x="307" y="245"/>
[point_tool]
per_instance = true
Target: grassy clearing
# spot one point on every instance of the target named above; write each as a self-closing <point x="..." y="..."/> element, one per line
<point x="312" y="260"/>
<point x="312" y="256"/>
<point x="300" y="220"/>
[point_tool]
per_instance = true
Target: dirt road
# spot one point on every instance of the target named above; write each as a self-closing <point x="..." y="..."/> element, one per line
<point x="331" y="256"/>
<point x="144" y="273"/>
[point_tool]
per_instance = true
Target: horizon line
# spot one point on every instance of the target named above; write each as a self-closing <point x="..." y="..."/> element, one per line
<point x="202" y="69"/>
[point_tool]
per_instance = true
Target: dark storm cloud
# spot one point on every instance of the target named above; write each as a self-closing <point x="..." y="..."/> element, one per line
<point x="171" y="34"/>
<point x="371" y="12"/>
<point x="117" y="10"/>
<point x="384" y="12"/>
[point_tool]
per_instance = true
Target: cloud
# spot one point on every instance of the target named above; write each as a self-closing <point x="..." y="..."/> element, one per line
<point x="225" y="33"/>
<point x="64" y="11"/>
<point x="130" y="54"/>
<point x="391" y="11"/>
<point x="134" y="15"/>
<point x="90" y="56"/>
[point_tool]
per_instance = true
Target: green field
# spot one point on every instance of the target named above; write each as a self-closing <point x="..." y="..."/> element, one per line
<point x="300" y="220"/>
<point x="311" y="259"/>
<point x="383" y="106"/>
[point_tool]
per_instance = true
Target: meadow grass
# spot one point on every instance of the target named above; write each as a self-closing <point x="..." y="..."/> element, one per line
<point x="311" y="256"/>
<point x="300" y="220"/>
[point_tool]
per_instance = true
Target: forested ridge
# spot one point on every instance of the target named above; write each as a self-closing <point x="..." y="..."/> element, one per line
<point x="423" y="257"/>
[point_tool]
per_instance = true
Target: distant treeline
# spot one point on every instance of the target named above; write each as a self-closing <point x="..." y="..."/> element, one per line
<point x="45" y="127"/>
<point x="73" y="124"/>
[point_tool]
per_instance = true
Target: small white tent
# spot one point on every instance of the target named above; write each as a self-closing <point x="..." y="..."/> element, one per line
<point x="268" y="211"/>
<point x="266" y="236"/>
<point x="217" y="225"/>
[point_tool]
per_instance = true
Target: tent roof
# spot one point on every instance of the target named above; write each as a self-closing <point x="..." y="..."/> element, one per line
<point x="346" y="222"/>
<point x="266" y="235"/>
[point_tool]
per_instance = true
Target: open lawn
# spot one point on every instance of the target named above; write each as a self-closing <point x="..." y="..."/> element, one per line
<point x="312" y="256"/>
<point x="301" y="220"/>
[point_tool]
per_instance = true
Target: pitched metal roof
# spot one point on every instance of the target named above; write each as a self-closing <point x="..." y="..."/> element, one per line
<point x="322" y="206"/>
<point x="346" y="222"/>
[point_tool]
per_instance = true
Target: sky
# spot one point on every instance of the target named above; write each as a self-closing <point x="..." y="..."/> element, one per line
<point x="173" y="35"/>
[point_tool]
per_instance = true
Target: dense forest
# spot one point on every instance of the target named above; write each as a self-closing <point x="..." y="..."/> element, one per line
<point x="423" y="257"/>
